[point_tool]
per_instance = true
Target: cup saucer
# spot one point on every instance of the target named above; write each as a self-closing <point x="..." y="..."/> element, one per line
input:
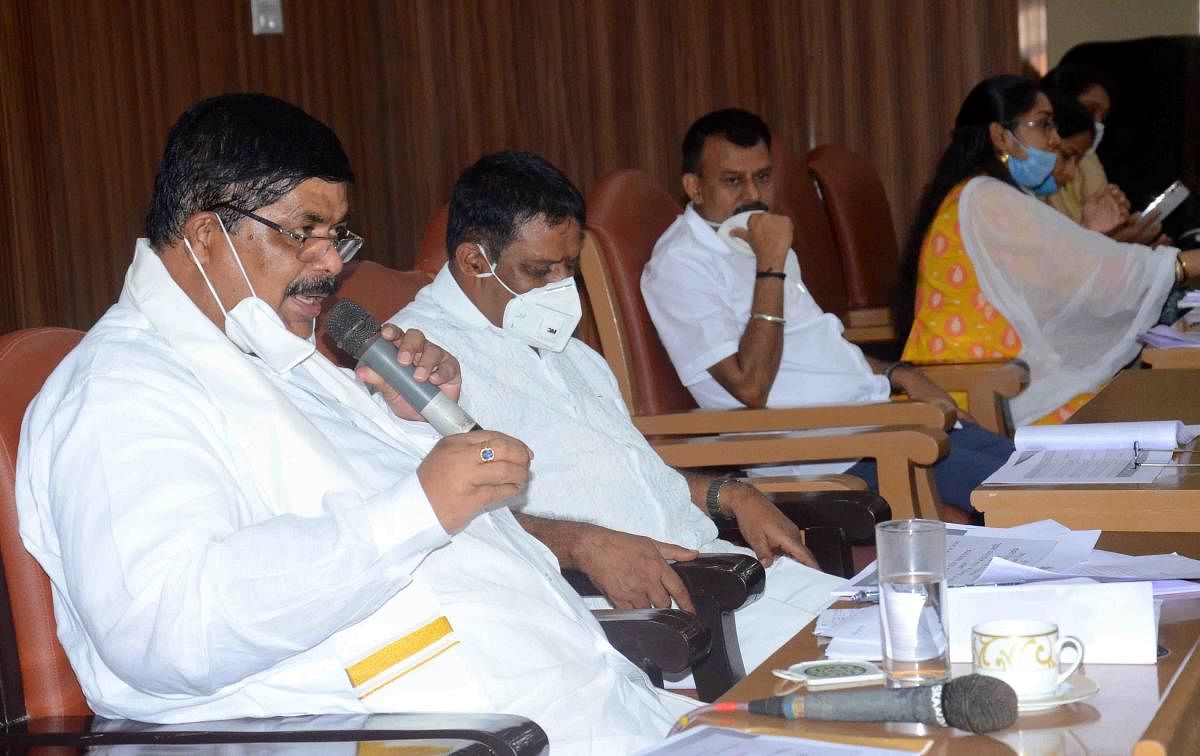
<point x="1074" y="688"/>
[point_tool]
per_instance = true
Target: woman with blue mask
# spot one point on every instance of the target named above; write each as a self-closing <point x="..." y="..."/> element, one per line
<point x="991" y="272"/>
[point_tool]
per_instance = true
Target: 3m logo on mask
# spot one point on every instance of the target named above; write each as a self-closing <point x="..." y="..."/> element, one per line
<point x="545" y="317"/>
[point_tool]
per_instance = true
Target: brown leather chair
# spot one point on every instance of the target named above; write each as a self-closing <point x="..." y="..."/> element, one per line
<point x="812" y="240"/>
<point x="628" y="211"/>
<point x="861" y="219"/>
<point x="432" y="255"/>
<point x="42" y="703"/>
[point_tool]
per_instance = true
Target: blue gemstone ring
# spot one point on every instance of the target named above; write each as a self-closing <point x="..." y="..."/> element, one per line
<point x="486" y="454"/>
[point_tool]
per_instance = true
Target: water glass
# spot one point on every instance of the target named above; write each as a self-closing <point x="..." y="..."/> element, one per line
<point x="912" y="601"/>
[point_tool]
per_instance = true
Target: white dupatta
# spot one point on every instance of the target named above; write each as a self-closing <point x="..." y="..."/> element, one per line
<point x="1076" y="298"/>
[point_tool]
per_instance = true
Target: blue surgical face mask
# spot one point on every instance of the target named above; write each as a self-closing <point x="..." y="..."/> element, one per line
<point x="1046" y="188"/>
<point x="1033" y="170"/>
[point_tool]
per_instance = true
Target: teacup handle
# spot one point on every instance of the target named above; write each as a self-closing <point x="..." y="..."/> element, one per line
<point x="1064" y="642"/>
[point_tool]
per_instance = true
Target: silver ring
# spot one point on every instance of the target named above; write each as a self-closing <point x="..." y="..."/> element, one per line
<point x="487" y="454"/>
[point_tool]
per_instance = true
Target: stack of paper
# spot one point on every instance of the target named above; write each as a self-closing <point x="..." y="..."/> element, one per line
<point x="1166" y="337"/>
<point x="1092" y="453"/>
<point x="1043" y="553"/>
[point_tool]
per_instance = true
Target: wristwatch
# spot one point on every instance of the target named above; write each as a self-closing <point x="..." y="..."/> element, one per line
<point x="713" y="498"/>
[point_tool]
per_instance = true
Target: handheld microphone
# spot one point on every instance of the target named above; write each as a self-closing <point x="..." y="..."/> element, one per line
<point x="356" y="333"/>
<point x="976" y="703"/>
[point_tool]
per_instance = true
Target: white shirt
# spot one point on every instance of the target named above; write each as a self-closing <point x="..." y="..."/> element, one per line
<point x="699" y="292"/>
<point x="591" y="464"/>
<point x="193" y="579"/>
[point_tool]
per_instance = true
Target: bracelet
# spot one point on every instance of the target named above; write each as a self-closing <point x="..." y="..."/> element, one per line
<point x="887" y="371"/>
<point x="713" y="498"/>
<point x="1180" y="271"/>
<point x="769" y="318"/>
<point x="770" y="274"/>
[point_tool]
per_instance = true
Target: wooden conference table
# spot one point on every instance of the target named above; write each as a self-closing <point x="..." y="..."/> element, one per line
<point x="1142" y="709"/>
<point x="1170" y="503"/>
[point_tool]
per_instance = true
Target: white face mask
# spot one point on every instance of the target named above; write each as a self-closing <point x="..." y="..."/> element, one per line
<point x="1096" y="141"/>
<point x="253" y="325"/>
<point x="545" y="317"/>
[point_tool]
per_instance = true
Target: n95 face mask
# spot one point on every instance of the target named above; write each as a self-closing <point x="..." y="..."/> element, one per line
<point x="543" y="318"/>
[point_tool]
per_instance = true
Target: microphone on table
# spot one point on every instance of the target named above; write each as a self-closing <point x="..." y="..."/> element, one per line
<point x="356" y="332"/>
<point x="976" y="703"/>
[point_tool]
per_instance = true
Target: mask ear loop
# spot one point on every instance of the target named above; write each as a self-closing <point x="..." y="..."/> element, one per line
<point x="492" y="271"/>
<point x="208" y="283"/>
<point x="236" y="257"/>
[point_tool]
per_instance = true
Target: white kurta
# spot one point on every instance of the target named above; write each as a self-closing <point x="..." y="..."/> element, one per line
<point x="699" y="292"/>
<point x="591" y="464"/>
<point x="227" y="541"/>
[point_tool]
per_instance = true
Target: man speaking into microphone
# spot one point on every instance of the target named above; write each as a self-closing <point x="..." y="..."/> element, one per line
<point x="235" y="527"/>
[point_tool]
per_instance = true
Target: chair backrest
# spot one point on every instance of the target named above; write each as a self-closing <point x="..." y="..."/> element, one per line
<point x="381" y="290"/>
<point x="861" y="219"/>
<point x="813" y="240"/>
<point x="627" y="212"/>
<point x="37" y="679"/>
<point x="432" y="255"/>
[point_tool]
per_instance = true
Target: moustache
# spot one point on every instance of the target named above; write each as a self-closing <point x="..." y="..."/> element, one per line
<point x="324" y="286"/>
<point x="749" y="206"/>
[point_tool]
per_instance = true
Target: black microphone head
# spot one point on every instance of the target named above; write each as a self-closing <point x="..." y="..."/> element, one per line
<point x="979" y="703"/>
<point x="351" y="327"/>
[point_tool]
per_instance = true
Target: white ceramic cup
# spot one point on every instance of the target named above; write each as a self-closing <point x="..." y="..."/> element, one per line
<point x="1026" y="654"/>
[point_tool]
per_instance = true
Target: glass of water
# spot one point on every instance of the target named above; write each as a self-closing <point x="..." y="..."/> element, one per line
<point x="912" y="601"/>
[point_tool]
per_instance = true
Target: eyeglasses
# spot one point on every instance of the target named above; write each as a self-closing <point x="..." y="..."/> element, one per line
<point x="346" y="243"/>
<point x="1047" y="125"/>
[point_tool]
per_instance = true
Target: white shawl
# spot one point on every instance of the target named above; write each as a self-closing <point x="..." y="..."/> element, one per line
<point x="1075" y="297"/>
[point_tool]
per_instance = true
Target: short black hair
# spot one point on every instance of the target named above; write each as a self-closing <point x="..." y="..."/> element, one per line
<point x="735" y="125"/>
<point x="502" y="192"/>
<point x="245" y="149"/>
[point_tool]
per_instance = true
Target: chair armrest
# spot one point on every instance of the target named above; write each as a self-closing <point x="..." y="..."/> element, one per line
<point x="718" y="584"/>
<point x="988" y="385"/>
<point x="905" y="412"/>
<point x="855" y="513"/>
<point x="730" y="580"/>
<point x="902" y="455"/>
<point x="502" y="733"/>
<point x="797" y="483"/>
<point x="656" y="640"/>
<point x="831" y="521"/>
<point x="918" y="445"/>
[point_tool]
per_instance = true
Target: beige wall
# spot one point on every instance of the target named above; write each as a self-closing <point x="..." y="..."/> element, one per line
<point x="1069" y="22"/>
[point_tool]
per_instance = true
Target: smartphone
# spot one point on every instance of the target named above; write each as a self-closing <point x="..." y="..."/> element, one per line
<point x="1165" y="203"/>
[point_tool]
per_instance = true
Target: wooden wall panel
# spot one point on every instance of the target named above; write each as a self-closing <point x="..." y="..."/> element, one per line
<point x="418" y="89"/>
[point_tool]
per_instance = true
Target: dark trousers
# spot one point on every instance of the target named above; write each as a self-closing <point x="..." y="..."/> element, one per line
<point x="975" y="453"/>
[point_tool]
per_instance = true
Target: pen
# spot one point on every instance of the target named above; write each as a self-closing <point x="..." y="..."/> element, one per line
<point x="871" y="595"/>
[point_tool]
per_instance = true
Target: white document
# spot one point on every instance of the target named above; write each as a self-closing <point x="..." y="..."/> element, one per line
<point x="970" y="549"/>
<point x="1115" y="621"/>
<point x="1158" y="434"/>
<point x="1166" y="337"/>
<point x="718" y="741"/>
<point x="1092" y="453"/>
